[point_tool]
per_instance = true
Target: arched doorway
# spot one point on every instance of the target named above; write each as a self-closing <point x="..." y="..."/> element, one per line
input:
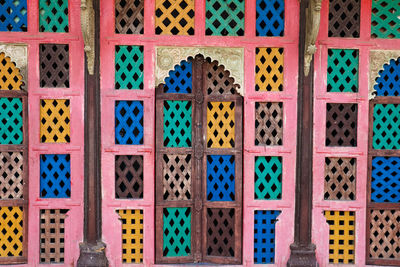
<point x="198" y="165"/>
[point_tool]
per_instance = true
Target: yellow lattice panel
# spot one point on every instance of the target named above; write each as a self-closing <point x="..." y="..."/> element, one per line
<point x="11" y="231"/>
<point x="221" y="124"/>
<point x="269" y="69"/>
<point x="10" y="76"/>
<point x="175" y="17"/>
<point x="55" y="121"/>
<point x="341" y="236"/>
<point x="132" y="235"/>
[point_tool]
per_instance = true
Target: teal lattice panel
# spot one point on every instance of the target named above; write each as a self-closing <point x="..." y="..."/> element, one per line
<point x="53" y="15"/>
<point x="268" y="178"/>
<point x="386" y="129"/>
<point x="225" y="17"/>
<point x="128" y="67"/>
<point x="177" y="123"/>
<point x="11" y="121"/>
<point x="342" y="70"/>
<point x="385" y="21"/>
<point x="177" y="232"/>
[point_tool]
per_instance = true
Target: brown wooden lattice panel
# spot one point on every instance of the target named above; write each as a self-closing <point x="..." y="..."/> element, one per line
<point x="340" y="179"/>
<point x="128" y="176"/>
<point x="341" y="124"/>
<point x="384" y="239"/>
<point x="11" y="171"/>
<point x="344" y="18"/>
<point x="177" y="172"/>
<point x="54" y="65"/>
<point x="220" y="232"/>
<point x="52" y="231"/>
<point x="269" y="123"/>
<point x="218" y="80"/>
<point x="129" y="16"/>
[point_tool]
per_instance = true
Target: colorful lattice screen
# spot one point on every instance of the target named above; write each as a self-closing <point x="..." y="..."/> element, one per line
<point x="11" y="231"/>
<point x="132" y="235"/>
<point x="129" y="16"/>
<point x="385" y="182"/>
<point x="220" y="227"/>
<point x="11" y="121"/>
<point x="220" y="178"/>
<point x="341" y="236"/>
<point x="10" y="76"/>
<point x="264" y="236"/>
<point x="13" y="16"/>
<point x="220" y="124"/>
<point x="176" y="232"/>
<point x="53" y="16"/>
<point x="269" y="123"/>
<point x="180" y="79"/>
<point x="177" y="123"/>
<point x="269" y="69"/>
<point x="270" y="17"/>
<point x="128" y="176"/>
<point x="342" y="70"/>
<point x="55" y="176"/>
<point x="225" y="18"/>
<point x="129" y="122"/>
<point x="340" y="178"/>
<point x="55" y="120"/>
<point x="385" y="19"/>
<point x="341" y="124"/>
<point x="54" y="65"/>
<point x="11" y="175"/>
<point x="386" y="126"/>
<point x="384" y="241"/>
<point x="219" y="81"/>
<point x="344" y="18"/>
<point x="128" y="67"/>
<point x="388" y="82"/>
<point x="177" y="176"/>
<point x="174" y="17"/>
<point x="52" y="235"/>
<point x="268" y="178"/>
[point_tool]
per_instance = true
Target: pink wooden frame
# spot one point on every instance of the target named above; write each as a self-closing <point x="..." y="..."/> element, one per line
<point x="74" y="222"/>
<point x="111" y="225"/>
<point x="364" y="44"/>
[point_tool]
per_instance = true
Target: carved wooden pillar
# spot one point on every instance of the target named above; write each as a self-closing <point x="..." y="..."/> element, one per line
<point x="92" y="249"/>
<point x="302" y="250"/>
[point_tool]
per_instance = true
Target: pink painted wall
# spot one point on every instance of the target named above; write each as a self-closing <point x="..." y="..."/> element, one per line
<point x="32" y="38"/>
<point x="320" y="234"/>
<point x="285" y="224"/>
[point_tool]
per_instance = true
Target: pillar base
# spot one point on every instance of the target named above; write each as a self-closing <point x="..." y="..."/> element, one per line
<point x="302" y="256"/>
<point x="92" y="255"/>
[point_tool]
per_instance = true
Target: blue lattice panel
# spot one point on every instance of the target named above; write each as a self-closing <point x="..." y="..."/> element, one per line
<point x="264" y="236"/>
<point x="221" y="178"/>
<point x="13" y="16"/>
<point x="385" y="182"/>
<point x="55" y="176"/>
<point x="129" y="122"/>
<point x="270" y="17"/>
<point x="179" y="79"/>
<point x="388" y="82"/>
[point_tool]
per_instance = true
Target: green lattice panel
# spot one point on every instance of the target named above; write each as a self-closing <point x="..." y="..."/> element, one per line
<point x="128" y="67"/>
<point x="342" y="70"/>
<point x="268" y="178"/>
<point x="177" y="232"/>
<point x="53" y="15"/>
<point x="225" y="18"/>
<point x="11" y="121"/>
<point x="385" y="19"/>
<point x="177" y="123"/>
<point x="386" y="131"/>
